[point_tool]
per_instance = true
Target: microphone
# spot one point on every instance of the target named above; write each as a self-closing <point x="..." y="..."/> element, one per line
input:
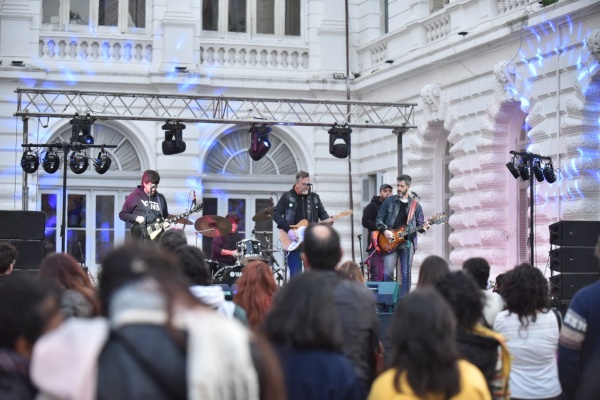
<point x="415" y="194"/>
<point x="194" y="201"/>
<point x="309" y="184"/>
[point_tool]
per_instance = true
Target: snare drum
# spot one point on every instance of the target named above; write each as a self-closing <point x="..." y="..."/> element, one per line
<point x="248" y="250"/>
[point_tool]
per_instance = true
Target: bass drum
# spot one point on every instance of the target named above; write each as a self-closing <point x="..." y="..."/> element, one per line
<point x="228" y="275"/>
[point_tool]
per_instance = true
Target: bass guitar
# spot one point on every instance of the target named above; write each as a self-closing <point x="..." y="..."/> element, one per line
<point x="389" y="245"/>
<point x="299" y="228"/>
<point x="152" y="230"/>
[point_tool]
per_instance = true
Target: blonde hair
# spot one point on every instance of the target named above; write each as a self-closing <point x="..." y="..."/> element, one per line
<point x="352" y="270"/>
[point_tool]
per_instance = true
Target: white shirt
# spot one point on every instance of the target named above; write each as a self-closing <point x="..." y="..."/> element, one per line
<point x="493" y="304"/>
<point x="534" y="370"/>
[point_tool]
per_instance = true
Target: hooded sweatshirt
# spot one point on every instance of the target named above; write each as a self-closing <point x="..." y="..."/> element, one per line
<point x="139" y="203"/>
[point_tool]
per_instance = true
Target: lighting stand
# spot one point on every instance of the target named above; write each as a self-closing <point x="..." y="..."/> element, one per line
<point x="66" y="147"/>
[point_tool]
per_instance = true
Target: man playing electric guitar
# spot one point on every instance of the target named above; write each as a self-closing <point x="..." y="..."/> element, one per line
<point x="145" y="204"/>
<point x="295" y="205"/>
<point x="396" y="211"/>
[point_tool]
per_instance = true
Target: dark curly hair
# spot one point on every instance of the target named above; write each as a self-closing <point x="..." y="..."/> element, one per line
<point x="525" y="291"/>
<point x="465" y="298"/>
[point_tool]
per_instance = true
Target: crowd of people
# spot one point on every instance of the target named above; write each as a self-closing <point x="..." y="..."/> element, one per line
<point x="156" y="328"/>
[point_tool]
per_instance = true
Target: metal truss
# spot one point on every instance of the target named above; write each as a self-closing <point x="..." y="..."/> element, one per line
<point x="212" y="109"/>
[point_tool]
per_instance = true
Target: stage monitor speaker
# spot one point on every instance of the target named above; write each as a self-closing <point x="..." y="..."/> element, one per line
<point x="24" y="225"/>
<point x="566" y="285"/>
<point x="574" y="259"/>
<point x="574" y="233"/>
<point x="31" y="253"/>
<point x="385" y="292"/>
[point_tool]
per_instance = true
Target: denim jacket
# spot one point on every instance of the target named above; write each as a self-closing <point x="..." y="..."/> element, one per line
<point x="388" y="212"/>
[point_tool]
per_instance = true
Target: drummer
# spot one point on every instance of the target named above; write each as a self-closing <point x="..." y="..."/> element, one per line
<point x="224" y="248"/>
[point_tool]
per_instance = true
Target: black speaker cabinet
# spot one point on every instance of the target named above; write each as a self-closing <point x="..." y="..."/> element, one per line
<point x="31" y="253"/>
<point x="24" y="225"/>
<point x="574" y="233"/>
<point x="566" y="285"/>
<point x="572" y="259"/>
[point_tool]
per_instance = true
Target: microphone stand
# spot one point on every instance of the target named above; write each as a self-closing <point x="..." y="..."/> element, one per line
<point x="362" y="262"/>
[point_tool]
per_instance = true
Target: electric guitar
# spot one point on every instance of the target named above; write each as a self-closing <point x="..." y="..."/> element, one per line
<point x="299" y="228"/>
<point x="153" y="229"/>
<point x="389" y="245"/>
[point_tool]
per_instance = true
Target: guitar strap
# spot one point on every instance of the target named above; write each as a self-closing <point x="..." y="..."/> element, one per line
<point x="411" y="211"/>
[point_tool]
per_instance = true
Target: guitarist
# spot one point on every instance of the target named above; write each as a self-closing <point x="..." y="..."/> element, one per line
<point x="375" y="259"/>
<point x="396" y="211"/>
<point x="295" y="205"/>
<point x="145" y="204"/>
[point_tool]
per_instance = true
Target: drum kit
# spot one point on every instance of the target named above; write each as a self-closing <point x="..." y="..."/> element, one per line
<point x="247" y="250"/>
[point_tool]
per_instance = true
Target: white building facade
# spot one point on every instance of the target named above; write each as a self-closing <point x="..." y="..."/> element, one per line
<point x="489" y="76"/>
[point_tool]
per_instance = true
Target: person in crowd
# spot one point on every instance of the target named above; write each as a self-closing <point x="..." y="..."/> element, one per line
<point x="433" y="268"/>
<point x="479" y="269"/>
<point x="531" y="330"/>
<point x="375" y="260"/>
<point x="306" y="331"/>
<point x="255" y="290"/>
<point x="157" y="342"/>
<point x="355" y="303"/>
<point x="579" y="344"/>
<point x="498" y="283"/>
<point x="352" y="270"/>
<point x="298" y="204"/>
<point x="477" y="344"/>
<point x="172" y="240"/>
<point x="28" y="308"/>
<point x="224" y="248"/>
<point x="8" y="258"/>
<point x="144" y="207"/>
<point x="193" y="265"/>
<point x="425" y="363"/>
<point x="79" y="297"/>
<point x="397" y="211"/>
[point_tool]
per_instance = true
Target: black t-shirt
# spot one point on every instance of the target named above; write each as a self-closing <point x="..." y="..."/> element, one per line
<point x="402" y="217"/>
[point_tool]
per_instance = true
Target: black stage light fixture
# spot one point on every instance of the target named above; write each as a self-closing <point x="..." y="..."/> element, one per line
<point x="524" y="170"/>
<point x="81" y="132"/>
<point x="512" y="168"/>
<point x="78" y="162"/>
<point x="173" y="143"/>
<point x="549" y="173"/>
<point x="536" y="168"/>
<point x="259" y="141"/>
<point x="339" y="141"/>
<point x="102" y="163"/>
<point x="50" y="162"/>
<point x="30" y="161"/>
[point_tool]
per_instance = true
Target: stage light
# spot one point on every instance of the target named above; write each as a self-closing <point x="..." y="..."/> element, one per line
<point x="81" y="132"/>
<point x="50" y="162"/>
<point x="339" y="141"/>
<point x="102" y="163"/>
<point x="512" y="168"/>
<point x="524" y="170"/>
<point x="78" y="162"/>
<point x="30" y="161"/>
<point x="536" y="168"/>
<point x="549" y="173"/>
<point x="173" y="143"/>
<point x="259" y="141"/>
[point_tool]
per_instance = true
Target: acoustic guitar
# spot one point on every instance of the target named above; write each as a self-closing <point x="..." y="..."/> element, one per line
<point x="299" y="228"/>
<point x="153" y="229"/>
<point x="389" y="245"/>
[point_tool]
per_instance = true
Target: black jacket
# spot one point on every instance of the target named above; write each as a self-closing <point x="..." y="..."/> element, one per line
<point x="290" y="207"/>
<point x="370" y="213"/>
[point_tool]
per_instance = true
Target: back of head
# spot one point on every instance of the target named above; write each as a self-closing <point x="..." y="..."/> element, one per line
<point x="432" y="269"/>
<point x="525" y="291"/>
<point x="172" y="240"/>
<point x="255" y="290"/>
<point x="193" y="265"/>
<point x="303" y="315"/>
<point x="65" y="269"/>
<point x="28" y="308"/>
<point x="464" y="297"/>
<point x="321" y="247"/>
<point x="8" y="255"/>
<point x="424" y="340"/>
<point x="479" y="269"/>
<point x="352" y="271"/>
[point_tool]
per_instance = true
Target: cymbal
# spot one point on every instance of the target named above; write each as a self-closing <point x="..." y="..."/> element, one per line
<point x="264" y="215"/>
<point x="213" y="226"/>
<point x="184" y="221"/>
